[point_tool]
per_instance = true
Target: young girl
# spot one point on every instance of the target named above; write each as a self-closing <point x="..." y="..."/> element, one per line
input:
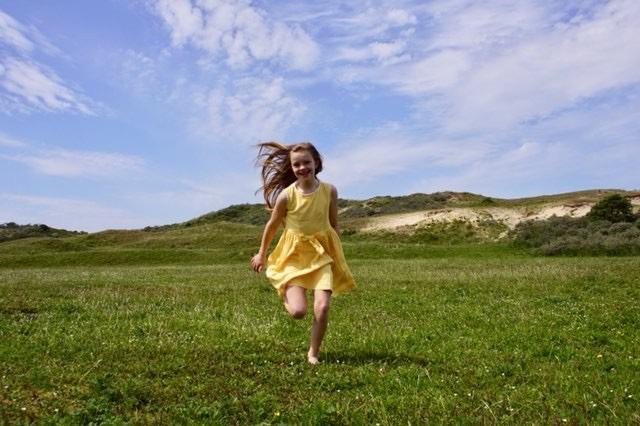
<point x="308" y="255"/>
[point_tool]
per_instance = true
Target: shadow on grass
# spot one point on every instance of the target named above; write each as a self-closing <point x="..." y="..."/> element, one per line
<point x="370" y="357"/>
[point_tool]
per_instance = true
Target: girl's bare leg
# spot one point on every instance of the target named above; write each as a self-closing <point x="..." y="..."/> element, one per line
<point x="320" y="319"/>
<point x="295" y="301"/>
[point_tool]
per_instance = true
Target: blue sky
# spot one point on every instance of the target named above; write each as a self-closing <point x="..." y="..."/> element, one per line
<point x="123" y="113"/>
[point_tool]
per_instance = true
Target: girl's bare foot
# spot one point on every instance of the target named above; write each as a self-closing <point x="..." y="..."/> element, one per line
<point x="313" y="359"/>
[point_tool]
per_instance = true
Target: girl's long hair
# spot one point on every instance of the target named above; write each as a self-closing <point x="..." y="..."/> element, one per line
<point x="277" y="173"/>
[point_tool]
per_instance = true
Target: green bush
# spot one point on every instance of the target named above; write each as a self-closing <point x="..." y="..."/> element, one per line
<point x="613" y="208"/>
<point x="12" y="231"/>
<point x="577" y="236"/>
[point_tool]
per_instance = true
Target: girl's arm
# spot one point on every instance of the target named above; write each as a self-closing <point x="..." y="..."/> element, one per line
<point x="333" y="209"/>
<point x="278" y="213"/>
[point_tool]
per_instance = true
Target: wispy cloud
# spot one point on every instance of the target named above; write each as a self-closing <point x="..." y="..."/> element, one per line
<point x="372" y="23"/>
<point x="66" y="213"/>
<point x="249" y="110"/>
<point x="188" y="198"/>
<point x="23" y="39"/>
<point x="240" y="31"/>
<point x="137" y="71"/>
<point x="590" y="146"/>
<point x="493" y="66"/>
<point x="63" y="162"/>
<point x="14" y="34"/>
<point x="392" y="149"/>
<point x="27" y="84"/>
<point x="384" y="52"/>
<point x="40" y="89"/>
<point x="11" y="142"/>
<point x="551" y="71"/>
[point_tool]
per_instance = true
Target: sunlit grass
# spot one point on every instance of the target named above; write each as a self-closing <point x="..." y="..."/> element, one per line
<point x="473" y="339"/>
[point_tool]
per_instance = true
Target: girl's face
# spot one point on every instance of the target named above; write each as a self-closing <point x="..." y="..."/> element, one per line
<point x="303" y="165"/>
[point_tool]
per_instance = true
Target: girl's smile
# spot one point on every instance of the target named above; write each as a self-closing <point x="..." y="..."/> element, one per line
<point x="303" y="165"/>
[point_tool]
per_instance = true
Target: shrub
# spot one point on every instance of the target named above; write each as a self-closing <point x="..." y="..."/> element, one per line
<point x="577" y="236"/>
<point x="613" y="208"/>
<point x="12" y="231"/>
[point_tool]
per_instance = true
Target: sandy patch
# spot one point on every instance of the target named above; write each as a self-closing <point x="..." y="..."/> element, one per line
<point x="510" y="217"/>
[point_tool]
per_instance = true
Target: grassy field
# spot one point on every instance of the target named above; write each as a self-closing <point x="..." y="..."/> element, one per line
<point x="125" y="328"/>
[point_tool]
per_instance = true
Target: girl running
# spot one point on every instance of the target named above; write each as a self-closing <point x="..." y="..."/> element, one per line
<point x="309" y="254"/>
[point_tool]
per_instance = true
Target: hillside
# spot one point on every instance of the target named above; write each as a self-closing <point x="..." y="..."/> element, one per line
<point x="415" y="210"/>
<point x="12" y="231"/>
<point x="389" y="212"/>
<point x="233" y="233"/>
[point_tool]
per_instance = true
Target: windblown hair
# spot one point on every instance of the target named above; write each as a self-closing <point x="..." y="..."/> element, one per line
<point x="277" y="173"/>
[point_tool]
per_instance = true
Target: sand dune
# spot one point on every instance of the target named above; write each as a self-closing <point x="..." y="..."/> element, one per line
<point x="509" y="216"/>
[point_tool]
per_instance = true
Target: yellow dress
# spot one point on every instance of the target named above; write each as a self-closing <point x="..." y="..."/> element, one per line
<point x="309" y="252"/>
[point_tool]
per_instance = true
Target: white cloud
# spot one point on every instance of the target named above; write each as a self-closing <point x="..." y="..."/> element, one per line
<point x="143" y="74"/>
<point x="378" y="36"/>
<point x="372" y="23"/>
<point x="13" y="33"/>
<point x="36" y="88"/>
<point x="251" y="110"/>
<point x="11" y="142"/>
<point x="28" y="85"/>
<point x="63" y="162"/>
<point x="242" y="32"/>
<point x="472" y="25"/>
<point x="66" y="213"/>
<point x="24" y="40"/>
<point x="491" y="67"/>
<point x="551" y="71"/>
<point x="535" y="168"/>
<point x="438" y="72"/>
<point x="188" y="198"/>
<point x="182" y="17"/>
<point x="392" y="149"/>
<point x="400" y="18"/>
<point x="596" y="147"/>
<point x="383" y="52"/>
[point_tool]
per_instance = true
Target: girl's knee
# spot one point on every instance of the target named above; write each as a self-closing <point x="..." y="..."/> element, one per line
<point x="321" y="309"/>
<point x="297" y="312"/>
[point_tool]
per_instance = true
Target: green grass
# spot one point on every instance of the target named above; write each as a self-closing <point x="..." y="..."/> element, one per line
<point x="455" y="334"/>
<point x="231" y="242"/>
<point x="204" y="244"/>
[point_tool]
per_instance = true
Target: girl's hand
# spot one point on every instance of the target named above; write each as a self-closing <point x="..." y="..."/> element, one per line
<point x="257" y="262"/>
